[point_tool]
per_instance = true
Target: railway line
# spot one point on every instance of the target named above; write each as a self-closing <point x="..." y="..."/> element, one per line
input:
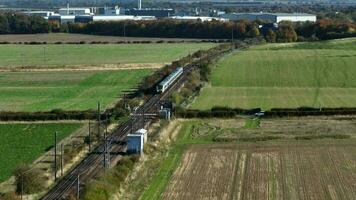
<point x="95" y="161"/>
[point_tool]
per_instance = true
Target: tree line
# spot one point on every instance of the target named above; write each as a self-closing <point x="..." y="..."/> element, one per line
<point x="14" y="23"/>
<point x="286" y="31"/>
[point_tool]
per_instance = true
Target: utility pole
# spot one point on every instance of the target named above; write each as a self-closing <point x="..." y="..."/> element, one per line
<point x="105" y="149"/>
<point x="125" y="101"/>
<point x="125" y="30"/>
<point x="106" y="145"/>
<point x="22" y="186"/>
<point x="62" y="158"/>
<point x="44" y="55"/>
<point x="78" y="187"/>
<point x="55" y="155"/>
<point x="232" y="34"/>
<point x="99" y="122"/>
<point x="89" y="138"/>
<point x="132" y="125"/>
<point x="23" y="60"/>
<point x="143" y="118"/>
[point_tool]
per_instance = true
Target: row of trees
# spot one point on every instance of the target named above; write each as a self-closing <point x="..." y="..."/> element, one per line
<point x="12" y="23"/>
<point x="286" y="31"/>
<point x="177" y="29"/>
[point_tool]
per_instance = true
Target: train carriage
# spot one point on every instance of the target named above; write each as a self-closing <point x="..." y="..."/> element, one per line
<point x="163" y="85"/>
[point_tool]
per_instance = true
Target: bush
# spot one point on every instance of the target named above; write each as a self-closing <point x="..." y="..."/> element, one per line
<point x="111" y="180"/>
<point x="96" y="191"/>
<point x="29" y="180"/>
<point x="9" y="196"/>
<point x="331" y="136"/>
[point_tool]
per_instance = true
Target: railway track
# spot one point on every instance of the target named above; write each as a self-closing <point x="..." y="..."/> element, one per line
<point x="91" y="166"/>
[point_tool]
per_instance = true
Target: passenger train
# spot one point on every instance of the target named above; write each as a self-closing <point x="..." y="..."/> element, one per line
<point x="163" y="85"/>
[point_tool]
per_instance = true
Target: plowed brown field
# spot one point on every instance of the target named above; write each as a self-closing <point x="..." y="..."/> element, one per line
<point x="254" y="171"/>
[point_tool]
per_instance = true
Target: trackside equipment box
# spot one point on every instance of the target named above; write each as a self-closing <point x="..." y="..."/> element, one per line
<point x="136" y="141"/>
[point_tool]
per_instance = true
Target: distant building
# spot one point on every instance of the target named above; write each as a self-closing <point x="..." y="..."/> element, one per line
<point x="121" y="17"/>
<point x="271" y="17"/>
<point x="83" y="18"/>
<point x="109" y="11"/>
<point x="136" y="141"/>
<point x="74" y="11"/>
<point x="195" y="18"/>
<point x="158" y="13"/>
<point x="61" y="19"/>
<point x="39" y="13"/>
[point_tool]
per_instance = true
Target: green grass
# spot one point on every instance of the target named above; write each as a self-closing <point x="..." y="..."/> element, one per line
<point x="23" y="143"/>
<point x="43" y="91"/>
<point x="321" y="74"/>
<point x="60" y="55"/>
<point x="161" y="179"/>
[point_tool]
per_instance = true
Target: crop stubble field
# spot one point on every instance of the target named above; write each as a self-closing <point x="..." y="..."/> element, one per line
<point x="265" y="172"/>
<point x="67" y="90"/>
<point x="294" y="158"/>
<point x="22" y="143"/>
<point x="321" y="74"/>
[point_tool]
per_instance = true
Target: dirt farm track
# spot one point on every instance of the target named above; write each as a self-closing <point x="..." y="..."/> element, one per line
<point x="298" y="171"/>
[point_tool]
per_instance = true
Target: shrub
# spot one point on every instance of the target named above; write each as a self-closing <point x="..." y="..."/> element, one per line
<point x="29" y="180"/>
<point x="9" y="196"/>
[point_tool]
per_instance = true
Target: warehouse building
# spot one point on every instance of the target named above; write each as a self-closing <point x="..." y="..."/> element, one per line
<point x="158" y="13"/>
<point x="39" y="13"/>
<point x="271" y="17"/>
<point x="201" y="18"/>
<point x="74" y="11"/>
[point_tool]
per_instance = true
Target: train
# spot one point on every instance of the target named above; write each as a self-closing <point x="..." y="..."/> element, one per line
<point x="163" y="85"/>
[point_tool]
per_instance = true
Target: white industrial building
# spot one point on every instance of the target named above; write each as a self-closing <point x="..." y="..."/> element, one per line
<point x="202" y="18"/>
<point x="120" y="17"/>
<point x="39" y="13"/>
<point x="74" y="11"/>
<point x="271" y="17"/>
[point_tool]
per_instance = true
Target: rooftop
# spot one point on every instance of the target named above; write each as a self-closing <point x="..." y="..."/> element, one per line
<point x="276" y="14"/>
<point x="74" y="9"/>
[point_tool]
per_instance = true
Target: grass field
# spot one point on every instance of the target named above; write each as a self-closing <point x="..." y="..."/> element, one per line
<point x="321" y="74"/>
<point x="23" y="143"/>
<point x="43" y="91"/>
<point x="88" y="54"/>
<point x="295" y="158"/>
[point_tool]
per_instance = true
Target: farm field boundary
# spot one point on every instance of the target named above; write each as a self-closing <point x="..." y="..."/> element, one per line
<point x="59" y="38"/>
<point x="75" y="68"/>
<point x="274" y="112"/>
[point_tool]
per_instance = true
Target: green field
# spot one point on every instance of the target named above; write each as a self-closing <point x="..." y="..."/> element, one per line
<point x="88" y="54"/>
<point x="23" y="143"/>
<point x="321" y="74"/>
<point x="44" y="91"/>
